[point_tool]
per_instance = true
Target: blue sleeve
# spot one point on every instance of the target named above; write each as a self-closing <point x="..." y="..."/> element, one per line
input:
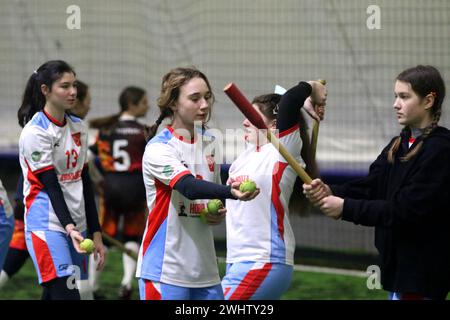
<point x="193" y="188"/>
<point x="290" y="105"/>
<point x="89" y="202"/>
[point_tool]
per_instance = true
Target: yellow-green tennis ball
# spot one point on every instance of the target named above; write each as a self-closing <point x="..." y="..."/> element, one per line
<point x="203" y="214"/>
<point x="214" y="205"/>
<point x="87" y="245"/>
<point x="247" y="185"/>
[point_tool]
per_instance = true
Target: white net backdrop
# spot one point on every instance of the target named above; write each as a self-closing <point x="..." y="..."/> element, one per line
<point x="255" y="44"/>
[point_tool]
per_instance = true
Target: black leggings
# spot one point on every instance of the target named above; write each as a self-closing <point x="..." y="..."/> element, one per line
<point x="57" y="289"/>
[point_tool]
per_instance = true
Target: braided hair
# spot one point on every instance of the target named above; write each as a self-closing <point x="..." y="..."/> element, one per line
<point x="424" y="80"/>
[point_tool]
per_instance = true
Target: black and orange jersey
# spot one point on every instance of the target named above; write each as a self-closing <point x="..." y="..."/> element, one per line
<point x="120" y="147"/>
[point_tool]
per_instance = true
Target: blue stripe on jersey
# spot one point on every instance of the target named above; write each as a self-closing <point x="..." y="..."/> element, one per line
<point x="38" y="213"/>
<point x="277" y="245"/>
<point x="162" y="137"/>
<point x="73" y="118"/>
<point x="30" y="248"/>
<point x="153" y="257"/>
<point x="41" y="120"/>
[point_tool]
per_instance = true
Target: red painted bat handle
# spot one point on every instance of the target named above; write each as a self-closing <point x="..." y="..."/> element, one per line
<point x="244" y="105"/>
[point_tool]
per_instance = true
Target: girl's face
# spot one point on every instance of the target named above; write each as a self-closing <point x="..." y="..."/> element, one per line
<point x="140" y="109"/>
<point x="193" y="104"/>
<point x="63" y="93"/>
<point x="411" y="110"/>
<point x="251" y="132"/>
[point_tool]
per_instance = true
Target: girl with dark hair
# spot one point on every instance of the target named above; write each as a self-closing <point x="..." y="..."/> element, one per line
<point x="58" y="197"/>
<point x="406" y="194"/>
<point x="177" y="259"/>
<point x="260" y="240"/>
<point x="120" y="145"/>
<point x="18" y="253"/>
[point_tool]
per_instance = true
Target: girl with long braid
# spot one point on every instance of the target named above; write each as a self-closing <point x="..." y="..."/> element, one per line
<point x="406" y="195"/>
<point x="177" y="259"/>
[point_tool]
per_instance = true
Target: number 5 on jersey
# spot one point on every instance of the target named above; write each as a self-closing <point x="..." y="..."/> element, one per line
<point x="121" y="157"/>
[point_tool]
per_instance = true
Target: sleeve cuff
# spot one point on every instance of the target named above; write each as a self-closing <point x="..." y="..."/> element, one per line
<point x="175" y="179"/>
<point x="347" y="210"/>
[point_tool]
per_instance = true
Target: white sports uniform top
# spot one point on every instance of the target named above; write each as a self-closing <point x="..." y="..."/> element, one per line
<point x="177" y="247"/>
<point x="46" y="144"/>
<point x="259" y="230"/>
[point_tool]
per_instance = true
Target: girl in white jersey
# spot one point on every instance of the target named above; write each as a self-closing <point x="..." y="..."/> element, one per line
<point x="58" y="197"/>
<point x="260" y="240"/>
<point x="177" y="259"/>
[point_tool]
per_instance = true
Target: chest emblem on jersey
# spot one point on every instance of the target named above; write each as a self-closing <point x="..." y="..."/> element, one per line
<point x="167" y="171"/>
<point x="182" y="211"/>
<point x="36" y="156"/>
<point x="193" y="211"/>
<point x="77" y="138"/>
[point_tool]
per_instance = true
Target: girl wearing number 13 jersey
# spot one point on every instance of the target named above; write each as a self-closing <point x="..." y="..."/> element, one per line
<point x="58" y="197"/>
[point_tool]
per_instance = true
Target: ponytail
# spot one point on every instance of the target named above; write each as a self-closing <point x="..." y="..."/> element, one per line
<point x="33" y="99"/>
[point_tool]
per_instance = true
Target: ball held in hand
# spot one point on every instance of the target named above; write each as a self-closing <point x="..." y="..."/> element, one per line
<point x="214" y="205"/>
<point x="247" y="186"/>
<point x="203" y="214"/>
<point x="87" y="245"/>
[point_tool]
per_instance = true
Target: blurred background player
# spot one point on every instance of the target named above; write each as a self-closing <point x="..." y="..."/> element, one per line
<point x="18" y="253"/>
<point x="260" y="239"/>
<point x="120" y="145"/>
<point x="59" y="200"/>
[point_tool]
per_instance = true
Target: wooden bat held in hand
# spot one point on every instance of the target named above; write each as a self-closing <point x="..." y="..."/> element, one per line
<point x="252" y="115"/>
<point x="315" y="130"/>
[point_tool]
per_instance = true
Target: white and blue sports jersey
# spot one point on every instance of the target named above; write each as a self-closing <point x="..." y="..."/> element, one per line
<point x="46" y="144"/>
<point x="177" y="247"/>
<point x="259" y="230"/>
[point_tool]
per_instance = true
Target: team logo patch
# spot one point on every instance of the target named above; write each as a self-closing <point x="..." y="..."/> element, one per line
<point x="36" y="156"/>
<point x="77" y="139"/>
<point x="167" y="171"/>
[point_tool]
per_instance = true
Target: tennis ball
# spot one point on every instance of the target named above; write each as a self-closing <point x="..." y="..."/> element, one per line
<point x="214" y="205"/>
<point x="87" y="245"/>
<point x="247" y="185"/>
<point x="203" y="214"/>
